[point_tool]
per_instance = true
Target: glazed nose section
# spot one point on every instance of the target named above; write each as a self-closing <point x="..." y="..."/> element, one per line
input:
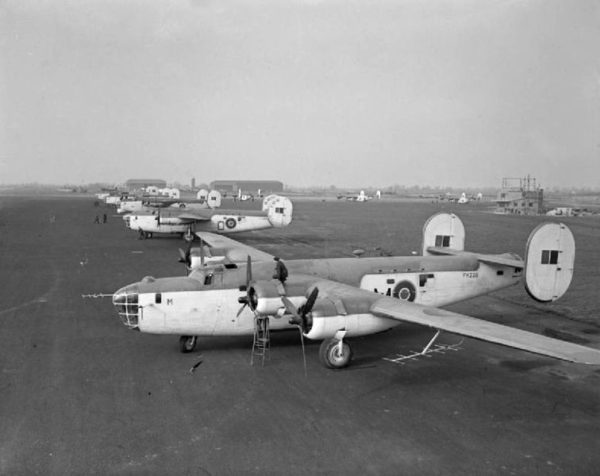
<point x="125" y="301"/>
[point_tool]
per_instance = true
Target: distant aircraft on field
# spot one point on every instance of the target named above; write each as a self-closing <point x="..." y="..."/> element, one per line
<point x="278" y="213"/>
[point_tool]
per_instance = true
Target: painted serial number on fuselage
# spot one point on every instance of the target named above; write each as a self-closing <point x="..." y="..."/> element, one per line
<point x="472" y="275"/>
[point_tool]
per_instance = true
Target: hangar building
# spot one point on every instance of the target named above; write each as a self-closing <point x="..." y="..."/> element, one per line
<point x="136" y="184"/>
<point x="247" y="186"/>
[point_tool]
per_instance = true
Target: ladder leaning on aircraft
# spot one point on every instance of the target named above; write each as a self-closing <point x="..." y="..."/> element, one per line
<point x="336" y="299"/>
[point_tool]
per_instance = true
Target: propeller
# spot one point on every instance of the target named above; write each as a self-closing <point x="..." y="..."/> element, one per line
<point x="201" y="252"/>
<point x="245" y="300"/>
<point x="299" y="316"/>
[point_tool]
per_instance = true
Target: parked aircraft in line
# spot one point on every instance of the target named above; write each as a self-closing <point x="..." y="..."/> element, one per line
<point x="186" y="223"/>
<point x="463" y="199"/>
<point x="148" y="204"/>
<point x="360" y="197"/>
<point x="336" y="299"/>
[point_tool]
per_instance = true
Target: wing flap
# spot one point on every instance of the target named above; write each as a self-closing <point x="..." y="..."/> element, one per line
<point x="484" y="330"/>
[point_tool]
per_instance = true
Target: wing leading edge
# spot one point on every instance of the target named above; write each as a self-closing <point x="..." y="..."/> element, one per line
<point x="360" y="300"/>
<point x="233" y="250"/>
<point x="484" y="330"/>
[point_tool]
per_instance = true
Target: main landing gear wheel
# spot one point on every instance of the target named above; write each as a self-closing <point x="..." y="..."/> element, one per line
<point x="187" y="344"/>
<point x="330" y="355"/>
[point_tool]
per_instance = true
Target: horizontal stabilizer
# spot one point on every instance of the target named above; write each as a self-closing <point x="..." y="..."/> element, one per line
<point x="506" y="259"/>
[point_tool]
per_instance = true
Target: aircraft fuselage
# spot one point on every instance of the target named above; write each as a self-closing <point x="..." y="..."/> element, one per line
<point x="218" y="223"/>
<point x="206" y="302"/>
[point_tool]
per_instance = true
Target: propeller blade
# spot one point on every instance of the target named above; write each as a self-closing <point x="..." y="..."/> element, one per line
<point x="289" y="307"/>
<point x="241" y="310"/>
<point x="248" y="271"/>
<point x="303" y="351"/>
<point x="201" y="252"/>
<point x="310" y="302"/>
<point x="182" y="256"/>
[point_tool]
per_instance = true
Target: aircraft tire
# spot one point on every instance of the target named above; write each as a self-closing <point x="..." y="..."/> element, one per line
<point x="187" y="344"/>
<point x="330" y="356"/>
<point x="405" y="291"/>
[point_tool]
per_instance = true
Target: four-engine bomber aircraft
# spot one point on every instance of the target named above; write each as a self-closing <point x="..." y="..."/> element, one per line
<point x="335" y="299"/>
<point x="278" y="214"/>
<point x="148" y="204"/>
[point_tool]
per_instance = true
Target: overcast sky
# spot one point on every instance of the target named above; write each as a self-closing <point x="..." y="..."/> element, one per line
<point x="352" y="93"/>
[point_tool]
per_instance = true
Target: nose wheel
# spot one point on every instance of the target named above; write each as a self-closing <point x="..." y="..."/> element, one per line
<point x="187" y="344"/>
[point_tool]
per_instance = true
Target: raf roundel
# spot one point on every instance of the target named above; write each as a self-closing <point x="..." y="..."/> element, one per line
<point x="405" y="291"/>
<point x="230" y="223"/>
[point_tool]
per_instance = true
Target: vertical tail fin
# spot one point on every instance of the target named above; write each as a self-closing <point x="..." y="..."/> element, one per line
<point x="280" y="212"/>
<point x="443" y="230"/>
<point x="549" y="261"/>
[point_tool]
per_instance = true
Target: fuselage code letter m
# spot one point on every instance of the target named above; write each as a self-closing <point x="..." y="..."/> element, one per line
<point x="169" y="302"/>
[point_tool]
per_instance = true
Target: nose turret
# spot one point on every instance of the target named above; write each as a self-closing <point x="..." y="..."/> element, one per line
<point x="126" y="302"/>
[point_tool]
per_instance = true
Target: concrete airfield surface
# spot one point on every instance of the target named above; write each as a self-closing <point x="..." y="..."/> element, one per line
<point x="81" y="394"/>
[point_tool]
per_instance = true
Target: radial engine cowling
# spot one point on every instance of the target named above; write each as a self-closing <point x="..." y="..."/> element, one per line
<point x="264" y="297"/>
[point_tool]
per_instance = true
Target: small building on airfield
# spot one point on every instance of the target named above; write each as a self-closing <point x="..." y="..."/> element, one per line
<point x="138" y="184"/>
<point x="252" y="187"/>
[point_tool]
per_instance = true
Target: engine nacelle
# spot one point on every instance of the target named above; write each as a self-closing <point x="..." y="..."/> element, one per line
<point x="265" y="297"/>
<point x="325" y="326"/>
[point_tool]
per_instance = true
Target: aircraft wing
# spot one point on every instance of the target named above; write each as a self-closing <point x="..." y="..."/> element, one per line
<point x="392" y="308"/>
<point x="197" y="215"/>
<point x="506" y="259"/>
<point x="231" y="249"/>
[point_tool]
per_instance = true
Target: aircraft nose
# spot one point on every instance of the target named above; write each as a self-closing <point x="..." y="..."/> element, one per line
<point x="125" y="301"/>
